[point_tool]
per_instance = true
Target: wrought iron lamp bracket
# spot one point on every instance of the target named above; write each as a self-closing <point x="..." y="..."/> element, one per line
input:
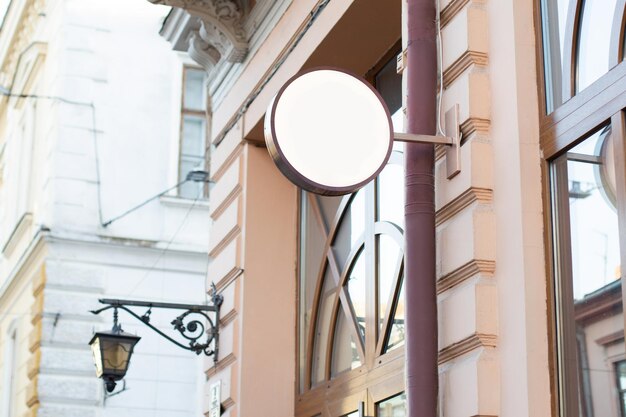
<point x="199" y="332"/>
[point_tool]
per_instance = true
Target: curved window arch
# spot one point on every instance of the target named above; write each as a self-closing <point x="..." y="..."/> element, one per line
<point x="582" y="41"/>
<point x="355" y="313"/>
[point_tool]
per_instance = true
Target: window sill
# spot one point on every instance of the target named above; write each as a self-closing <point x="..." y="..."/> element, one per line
<point x="174" y="201"/>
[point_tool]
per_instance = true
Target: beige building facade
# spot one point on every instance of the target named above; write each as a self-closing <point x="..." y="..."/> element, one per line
<point x="530" y="235"/>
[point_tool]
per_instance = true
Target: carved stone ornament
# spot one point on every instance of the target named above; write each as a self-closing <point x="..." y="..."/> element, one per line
<point x="221" y="35"/>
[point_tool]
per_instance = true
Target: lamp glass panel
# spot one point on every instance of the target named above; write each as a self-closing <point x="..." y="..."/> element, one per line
<point x="97" y="356"/>
<point x="116" y="354"/>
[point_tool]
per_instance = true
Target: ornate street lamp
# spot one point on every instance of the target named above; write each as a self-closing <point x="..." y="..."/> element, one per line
<point x="112" y="350"/>
<point x="111" y="353"/>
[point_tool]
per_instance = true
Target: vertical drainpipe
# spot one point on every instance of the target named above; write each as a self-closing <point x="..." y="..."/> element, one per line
<point x="420" y="285"/>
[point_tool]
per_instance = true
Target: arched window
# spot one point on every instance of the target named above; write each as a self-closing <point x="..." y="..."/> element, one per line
<point x="582" y="41"/>
<point x="351" y="328"/>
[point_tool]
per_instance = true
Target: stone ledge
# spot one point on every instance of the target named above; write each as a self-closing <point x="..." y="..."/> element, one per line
<point x="470" y="343"/>
<point x="464" y="272"/>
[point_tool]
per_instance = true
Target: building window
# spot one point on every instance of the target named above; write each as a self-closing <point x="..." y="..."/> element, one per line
<point x="192" y="154"/>
<point x="581" y="43"/>
<point x="351" y="268"/>
<point x="620" y="373"/>
<point x="582" y="131"/>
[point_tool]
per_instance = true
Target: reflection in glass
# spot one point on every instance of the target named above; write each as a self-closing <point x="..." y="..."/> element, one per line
<point x="594" y="40"/>
<point x="392" y="407"/>
<point x="351" y="228"/>
<point x="396" y="333"/>
<point x="595" y="238"/>
<point x="311" y="248"/>
<point x="389" y="255"/>
<point x="356" y="291"/>
<point x="321" y="332"/>
<point x="590" y="305"/>
<point x="345" y="351"/>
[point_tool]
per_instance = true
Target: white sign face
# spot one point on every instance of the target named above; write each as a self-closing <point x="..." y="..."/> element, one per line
<point x="328" y="131"/>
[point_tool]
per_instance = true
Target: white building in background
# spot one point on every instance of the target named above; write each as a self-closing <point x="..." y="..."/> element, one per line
<point x="103" y="116"/>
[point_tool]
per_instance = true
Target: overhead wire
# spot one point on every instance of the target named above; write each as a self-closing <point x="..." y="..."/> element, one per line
<point x="165" y="249"/>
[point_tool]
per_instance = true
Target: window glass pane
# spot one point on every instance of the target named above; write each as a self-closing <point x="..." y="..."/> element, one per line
<point x="329" y="206"/>
<point x="194" y="89"/>
<point x="621" y="375"/>
<point x="554" y="17"/>
<point x="593" y="219"/>
<point x="356" y="290"/>
<point x="193" y="136"/>
<point x="594" y="41"/>
<point x="389" y="84"/>
<point x="321" y="332"/>
<point x="345" y="351"/>
<point x="389" y="256"/>
<point x="390" y="194"/>
<point x="396" y="333"/>
<point x="590" y="320"/>
<point x="190" y="189"/>
<point x="392" y="407"/>
<point x="311" y="252"/>
<point x="351" y="229"/>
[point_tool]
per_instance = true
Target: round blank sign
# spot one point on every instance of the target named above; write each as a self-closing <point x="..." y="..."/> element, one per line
<point x="328" y="131"/>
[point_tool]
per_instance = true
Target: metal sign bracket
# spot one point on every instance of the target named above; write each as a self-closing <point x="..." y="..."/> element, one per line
<point x="452" y="141"/>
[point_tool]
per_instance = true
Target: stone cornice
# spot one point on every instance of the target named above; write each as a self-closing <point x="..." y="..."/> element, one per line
<point x="220" y="37"/>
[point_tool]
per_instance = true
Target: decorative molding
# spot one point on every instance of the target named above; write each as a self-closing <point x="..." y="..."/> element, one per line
<point x="602" y="303"/>
<point x="474" y="124"/>
<point x="611" y="338"/>
<point x="202" y="52"/>
<point x="227" y="403"/>
<point x="32" y="365"/>
<point x="463" y="63"/>
<point x="228" y="318"/>
<point x="219" y="246"/>
<point x="467" y="197"/>
<point x="226" y="163"/>
<point x="18" y="232"/>
<point x="228" y="200"/>
<point x="228" y="279"/>
<point x="221" y="364"/>
<point x="221" y="36"/>
<point x="464" y="272"/>
<point x="451" y="10"/>
<point x="32" y="399"/>
<point x="475" y="341"/>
